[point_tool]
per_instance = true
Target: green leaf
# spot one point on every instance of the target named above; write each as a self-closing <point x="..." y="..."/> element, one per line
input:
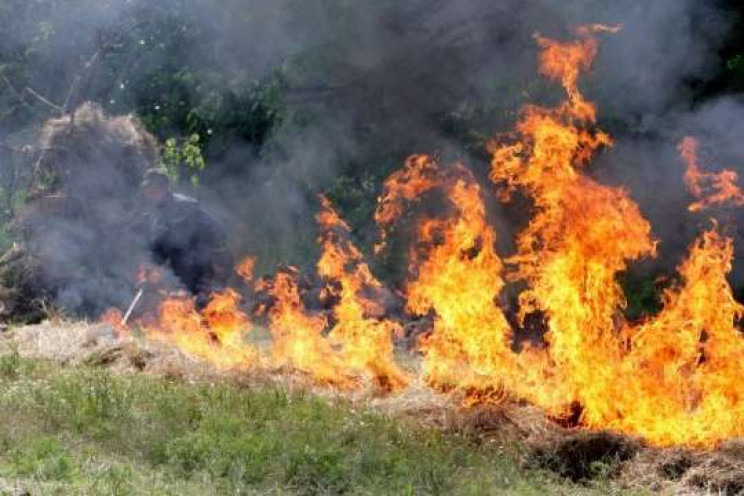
<point x="736" y="63"/>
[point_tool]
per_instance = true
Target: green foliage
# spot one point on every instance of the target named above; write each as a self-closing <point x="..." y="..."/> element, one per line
<point x="736" y="64"/>
<point x="184" y="156"/>
<point x="352" y="194"/>
<point x="44" y="458"/>
<point x="84" y="431"/>
<point x="160" y="60"/>
<point x="10" y="365"/>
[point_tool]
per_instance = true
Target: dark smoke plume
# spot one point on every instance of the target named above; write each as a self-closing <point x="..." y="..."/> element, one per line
<point x="365" y="84"/>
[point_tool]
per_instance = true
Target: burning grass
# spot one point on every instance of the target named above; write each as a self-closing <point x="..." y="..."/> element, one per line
<point x="673" y="378"/>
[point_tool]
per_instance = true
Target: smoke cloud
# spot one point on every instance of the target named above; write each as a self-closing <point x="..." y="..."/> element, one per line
<point x="363" y="85"/>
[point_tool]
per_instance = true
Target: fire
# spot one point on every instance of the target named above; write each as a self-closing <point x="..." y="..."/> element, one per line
<point x="673" y="378"/>
<point x="459" y="277"/>
<point x="214" y="334"/>
<point x="114" y="318"/>
<point x="708" y="188"/>
<point x="670" y="379"/>
<point x="419" y="175"/>
<point x="365" y="339"/>
<point x="581" y="236"/>
<point x="680" y="378"/>
<point x="359" y="344"/>
<point x="566" y="61"/>
<point x="246" y="268"/>
<point x="298" y="335"/>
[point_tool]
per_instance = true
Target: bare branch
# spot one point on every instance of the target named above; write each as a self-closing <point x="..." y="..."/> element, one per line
<point x="81" y="78"/>
<point x="44" y="100"/>
<point x="20" y="96"/>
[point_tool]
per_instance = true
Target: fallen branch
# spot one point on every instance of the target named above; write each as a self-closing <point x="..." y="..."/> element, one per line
<point x="19" y="95"/>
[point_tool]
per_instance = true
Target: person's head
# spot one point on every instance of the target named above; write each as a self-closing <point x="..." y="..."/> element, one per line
<point x="156" y="188"/>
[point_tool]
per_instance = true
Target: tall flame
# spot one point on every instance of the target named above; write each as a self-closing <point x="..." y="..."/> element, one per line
<point x="582" y="234"/>
<point x="366" y="341"/>
<point x="679" y="380"/>
<point x="669" y="379"/>
<point x="460" y="276"/>
<point x="360" y="342"/>
<point x="298" y="335"/>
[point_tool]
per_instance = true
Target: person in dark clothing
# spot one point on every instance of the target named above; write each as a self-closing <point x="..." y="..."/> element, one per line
<point x="186" y="238"/>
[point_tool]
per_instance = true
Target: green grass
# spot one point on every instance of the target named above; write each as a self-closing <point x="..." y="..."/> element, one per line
<point x="84" y="431"/>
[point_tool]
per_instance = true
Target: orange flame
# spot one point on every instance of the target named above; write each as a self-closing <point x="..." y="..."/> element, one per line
<point x="674" y="378"/>
<point x="582" y="233"/>
<point x="460" y="279"/>
<point x="680" y="380"/>
<point x="669" y="379"/>
<point x="114" y="318"/>
<point x="419" y="175"/>
<point x="246" y="268"/>
<point x="298" y="335"/>
<point x="216" y="334"/>
<point x="359" y="343"/>
<point x="708" y="188"/>
<point x="366" y="341"/>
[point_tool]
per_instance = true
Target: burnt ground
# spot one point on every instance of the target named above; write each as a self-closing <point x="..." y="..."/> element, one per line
<point x="573" y="453"/>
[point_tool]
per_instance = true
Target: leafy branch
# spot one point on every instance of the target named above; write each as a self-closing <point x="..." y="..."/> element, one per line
<point x="183" y="156"/>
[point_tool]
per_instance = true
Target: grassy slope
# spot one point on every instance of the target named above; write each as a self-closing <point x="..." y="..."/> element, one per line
<point x="82" y="430"/>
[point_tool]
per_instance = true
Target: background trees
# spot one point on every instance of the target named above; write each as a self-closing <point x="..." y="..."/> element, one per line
<point x="264" y="104"/>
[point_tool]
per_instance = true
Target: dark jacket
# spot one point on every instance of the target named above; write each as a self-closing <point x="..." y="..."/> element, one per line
<point x="193" y="243"/>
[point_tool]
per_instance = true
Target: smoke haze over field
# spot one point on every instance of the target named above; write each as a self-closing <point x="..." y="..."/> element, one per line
<point x="361" y="85"/>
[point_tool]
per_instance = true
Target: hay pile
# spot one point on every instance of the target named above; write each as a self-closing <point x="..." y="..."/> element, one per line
<point x="87" y="153"/>
<point x="78" y="243"/>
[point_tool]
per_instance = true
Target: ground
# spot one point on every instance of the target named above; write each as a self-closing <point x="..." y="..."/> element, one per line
<point x="97" y="416"/>
<point x="82" y="430"/>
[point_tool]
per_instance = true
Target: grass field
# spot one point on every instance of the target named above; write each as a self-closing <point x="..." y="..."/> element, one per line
<point x="80" y="430"/>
